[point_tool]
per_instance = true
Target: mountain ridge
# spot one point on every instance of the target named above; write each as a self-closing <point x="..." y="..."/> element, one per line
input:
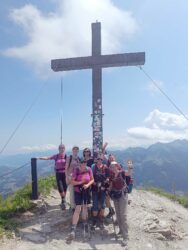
<point x="163" y="165"/>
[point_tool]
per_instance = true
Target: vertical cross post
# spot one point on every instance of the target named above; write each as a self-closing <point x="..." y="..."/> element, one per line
<point x="96" y="90"/>
<point x="34" y="179"/>
<point x="96" y="62"/>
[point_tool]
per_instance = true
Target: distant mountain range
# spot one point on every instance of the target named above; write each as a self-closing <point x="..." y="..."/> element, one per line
<point x="162" y="165"/>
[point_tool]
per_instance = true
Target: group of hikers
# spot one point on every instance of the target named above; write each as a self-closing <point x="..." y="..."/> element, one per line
<point x="93" y="180"/>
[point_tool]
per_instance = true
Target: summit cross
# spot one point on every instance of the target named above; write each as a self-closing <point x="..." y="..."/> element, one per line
<point x="96" y="62"/>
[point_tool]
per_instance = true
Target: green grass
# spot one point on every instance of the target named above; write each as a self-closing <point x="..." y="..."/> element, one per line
<point x="20" y="202"/>
<point x="183" y="200"/>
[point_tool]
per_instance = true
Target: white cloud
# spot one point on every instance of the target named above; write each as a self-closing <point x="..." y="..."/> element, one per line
<point x="160" y="126"/>
<point x="157" y="127"/>
<point x="45" y="147"/>
<point x="157" y="119"/>
<point x="66" y="32"/>
<point x="38" y="148"/>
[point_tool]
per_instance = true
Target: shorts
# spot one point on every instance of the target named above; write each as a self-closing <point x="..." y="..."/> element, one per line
<point x="61" y="182"/>
<point x="82" y="198"/>
<point x="98" y="200"/>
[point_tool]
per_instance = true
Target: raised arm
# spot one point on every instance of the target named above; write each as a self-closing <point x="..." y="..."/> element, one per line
<point x="130" y="167"/>
<point x="44" y="158"/>
<point x="103" y="148"/>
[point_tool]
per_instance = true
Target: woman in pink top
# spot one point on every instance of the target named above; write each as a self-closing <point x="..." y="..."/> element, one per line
<point x="82" y="179"/>
<point x="60" y="162"/>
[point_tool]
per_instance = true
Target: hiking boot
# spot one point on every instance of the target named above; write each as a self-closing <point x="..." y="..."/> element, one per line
<point x="111" y="212"/>
<point x="129" y="202"/>
<point x="94" y="223"/>
<point x="101" y="224"/>
<point x="72" y="235"/>
<point x="124" y="243"/>
<point x="62" y="205"/>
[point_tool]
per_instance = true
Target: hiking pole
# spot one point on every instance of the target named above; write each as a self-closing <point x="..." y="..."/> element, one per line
<point x="113" y="222"/>
<point x="102" y="219"/>
<point x="88" y="225"/>
<point x="83" y="193"/>
<point x="85" y="199"/>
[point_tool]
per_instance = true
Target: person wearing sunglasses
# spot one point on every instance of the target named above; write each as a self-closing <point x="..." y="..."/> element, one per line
<point x="82" y="179"/>
<point x="87" y="156"/>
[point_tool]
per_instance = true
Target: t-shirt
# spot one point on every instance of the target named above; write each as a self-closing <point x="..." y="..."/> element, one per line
<point x="90" y="162"/>
<point x="60" y="162"/>
<point x="84" y="176"/>
<point x="71" y="166"/>
<point x="100" y="174"/>
<point x="120" y="181"/>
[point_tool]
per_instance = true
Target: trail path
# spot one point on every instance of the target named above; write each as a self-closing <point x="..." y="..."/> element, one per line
<point x="154" y="223"/>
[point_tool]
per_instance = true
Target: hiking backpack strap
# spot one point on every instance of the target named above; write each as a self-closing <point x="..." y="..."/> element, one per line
<point x="70" y="160"/>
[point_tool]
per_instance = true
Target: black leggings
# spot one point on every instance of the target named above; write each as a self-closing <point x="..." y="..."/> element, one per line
<point x="61" y="182"/>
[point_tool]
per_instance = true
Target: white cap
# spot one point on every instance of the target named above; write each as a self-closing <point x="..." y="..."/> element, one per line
<point x="113" y="163"/>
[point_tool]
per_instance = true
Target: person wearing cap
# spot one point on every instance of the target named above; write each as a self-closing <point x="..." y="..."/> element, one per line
<point x="101" y="175"/>
<point x="72" y="163"/>
<point x="82" y="179"/>
<point x="111" y="158"/>
<point x="60" y="162"/>
<point x="119" y="180"/>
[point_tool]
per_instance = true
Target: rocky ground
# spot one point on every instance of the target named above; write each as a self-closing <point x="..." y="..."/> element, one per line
<point x="154" y="223"/>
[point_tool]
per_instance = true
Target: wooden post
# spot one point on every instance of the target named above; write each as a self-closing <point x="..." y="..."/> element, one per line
<point x="34" y="179"/>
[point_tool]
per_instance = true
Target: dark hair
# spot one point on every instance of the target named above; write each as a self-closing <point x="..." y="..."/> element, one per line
<point x="88" y="150"/>
<point x="82" y="160"/>
<point x="99" y="158"/>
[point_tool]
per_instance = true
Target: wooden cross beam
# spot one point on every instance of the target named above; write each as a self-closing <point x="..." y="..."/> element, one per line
<point x="96" y="62"/>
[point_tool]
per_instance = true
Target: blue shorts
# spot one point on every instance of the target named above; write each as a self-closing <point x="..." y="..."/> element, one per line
<point x="98" y="200"/>
<point x="82" y="198"/>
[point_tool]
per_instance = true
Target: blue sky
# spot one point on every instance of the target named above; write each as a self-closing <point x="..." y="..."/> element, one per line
<point x="135" y="113"/>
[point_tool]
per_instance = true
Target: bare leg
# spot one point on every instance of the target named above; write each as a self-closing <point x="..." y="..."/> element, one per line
<point x="76" y="215"/>
<point x="75" y="219"/>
